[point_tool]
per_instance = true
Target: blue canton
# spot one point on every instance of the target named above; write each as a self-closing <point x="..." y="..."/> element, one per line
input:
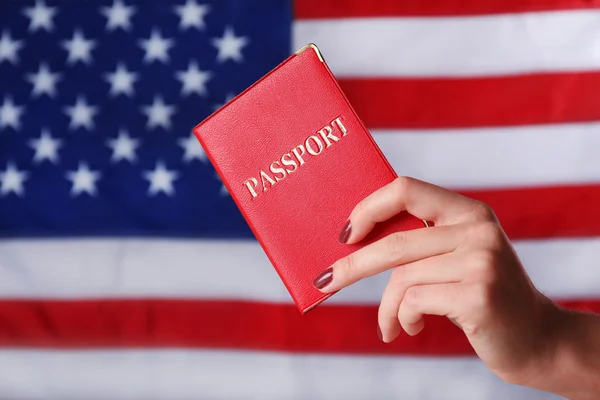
<point x="97" y="104"/>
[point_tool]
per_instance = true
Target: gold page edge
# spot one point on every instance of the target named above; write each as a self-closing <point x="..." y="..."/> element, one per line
<point x="312" y="46"/>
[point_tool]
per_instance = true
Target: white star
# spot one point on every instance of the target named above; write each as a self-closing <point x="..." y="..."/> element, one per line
<point x="83" y="179"/>
<point x="121" y="81"/>
<point x="12" y="180"/>
<point x="230" y="46"/>
<point x="9" y="48"/>
<point x="79" y="48"/>
<point x="40" y="16"/>
<point x="118" y="15"/>
<point x="123" y="147"/>
<point x="229" y="97"/>
<point x="44" y="81"/>
<point x="81" y="114"/>
<point x="192" y="14"/>
<point x="161" y="179"/>
<point x="46" y="147"/>
<point x="156" y="47"/>
<point x="10" y="114"/>
<point x="159" y="113"/>
<point x="194" y="79"/>
<point x="192" y="149"/>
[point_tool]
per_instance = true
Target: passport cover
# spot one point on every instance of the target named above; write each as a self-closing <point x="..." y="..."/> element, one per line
<point x="296" y="160"/>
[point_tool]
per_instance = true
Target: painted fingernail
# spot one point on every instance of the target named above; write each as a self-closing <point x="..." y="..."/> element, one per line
<point x="345" y="233"/>
<point x="324" y="278"/>
<point x="379" y="334"/>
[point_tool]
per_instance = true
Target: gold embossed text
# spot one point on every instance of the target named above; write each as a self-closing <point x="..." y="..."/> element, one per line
<point x="314" y="145"/>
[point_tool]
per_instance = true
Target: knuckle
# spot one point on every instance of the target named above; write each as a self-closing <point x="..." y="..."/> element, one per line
<point x="412" y="296"/>
<point x="402" y="185"/>
<point x="477" y="307"/>
<point x="346" y="267"/>
<point x="488" y="234"/>
<point x="396" y="243"/>
<point x="482" y="298"/>
<point x="482" y="211"/>
<point x="484" y="264"/>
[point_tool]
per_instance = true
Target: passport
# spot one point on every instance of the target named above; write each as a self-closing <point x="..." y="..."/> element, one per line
<point x="296" y="159"/>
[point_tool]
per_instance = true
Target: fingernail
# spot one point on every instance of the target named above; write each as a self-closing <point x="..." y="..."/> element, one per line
<point x="324" y="278"/>
<point x="379" y="334"/>
<point x="345" y="233"/>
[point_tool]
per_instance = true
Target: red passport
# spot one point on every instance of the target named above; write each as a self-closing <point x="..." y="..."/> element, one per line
<point x="296" y="160"/>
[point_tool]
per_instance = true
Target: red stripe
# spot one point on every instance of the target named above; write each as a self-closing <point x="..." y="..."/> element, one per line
<point x="545" y="212"/>
<point x="312" y="9"/>
<point x="219" y="324"/>
<point x="475" y="102"/>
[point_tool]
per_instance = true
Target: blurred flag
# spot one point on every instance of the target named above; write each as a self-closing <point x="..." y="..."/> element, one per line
<point x="126" y="271"/>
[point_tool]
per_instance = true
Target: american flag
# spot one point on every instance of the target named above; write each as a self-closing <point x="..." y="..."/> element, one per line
<point x="127" y="272"/>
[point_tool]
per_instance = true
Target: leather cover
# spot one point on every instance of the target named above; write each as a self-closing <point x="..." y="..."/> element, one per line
<point x="301" y="199"/>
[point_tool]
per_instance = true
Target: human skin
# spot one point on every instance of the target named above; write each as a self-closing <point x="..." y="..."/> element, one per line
<point x="465" y="268"/>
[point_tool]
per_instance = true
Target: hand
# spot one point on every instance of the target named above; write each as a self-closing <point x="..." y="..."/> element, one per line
<point x="463" y="268"/>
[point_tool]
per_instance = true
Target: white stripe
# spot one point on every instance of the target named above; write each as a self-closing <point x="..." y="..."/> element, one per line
<point x="496" y="157"/>
<point x="459" y="46"/>
<point x="233" y="270"/>
<point x="187" y="374"/>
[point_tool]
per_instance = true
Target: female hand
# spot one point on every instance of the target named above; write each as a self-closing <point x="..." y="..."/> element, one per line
<point x="463" y="268"/>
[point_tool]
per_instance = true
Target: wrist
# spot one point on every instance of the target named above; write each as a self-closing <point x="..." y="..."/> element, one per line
<point x="572" y="364"/>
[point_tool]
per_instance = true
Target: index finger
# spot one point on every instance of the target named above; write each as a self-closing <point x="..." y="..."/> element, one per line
<point x="391" y="251"/>
<point x="421" y="199"/>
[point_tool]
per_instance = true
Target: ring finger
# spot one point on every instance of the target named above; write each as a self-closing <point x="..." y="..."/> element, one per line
<point x="445" y="268"/>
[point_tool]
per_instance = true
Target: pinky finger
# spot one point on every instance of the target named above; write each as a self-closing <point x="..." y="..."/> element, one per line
<point x="439" y="299"/>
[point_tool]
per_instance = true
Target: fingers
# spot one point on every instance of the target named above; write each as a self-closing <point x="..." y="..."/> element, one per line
<point x="439" y="299"/>
<point x="396" y="249"/>
<point x="387" y="318"/>
<point x="421" y="199"/>
<point x="446" y="268"/>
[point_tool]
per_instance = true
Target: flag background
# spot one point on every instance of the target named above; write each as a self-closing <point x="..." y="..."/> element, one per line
<point x="126" y="272"/>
